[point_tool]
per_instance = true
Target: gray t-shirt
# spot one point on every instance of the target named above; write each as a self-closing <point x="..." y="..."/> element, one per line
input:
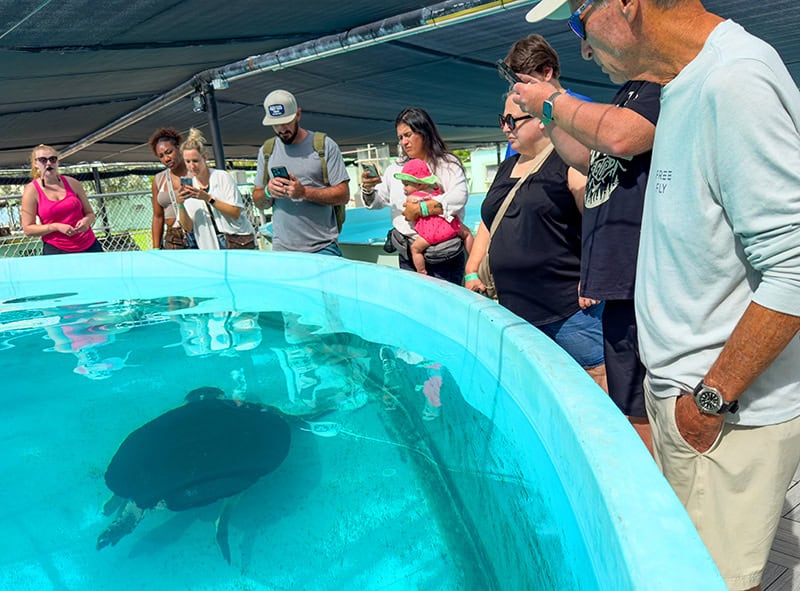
<point x="299" y="225"/>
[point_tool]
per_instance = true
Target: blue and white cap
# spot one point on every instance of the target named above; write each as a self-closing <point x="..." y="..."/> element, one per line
<point x="280" y="107"/>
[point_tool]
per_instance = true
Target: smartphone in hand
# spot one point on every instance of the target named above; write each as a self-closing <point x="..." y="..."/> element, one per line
<point x="280" y="172"/>
<point x="370" y="169"/>
<point x="506" y="72"/>
<point x="186" y="181"/>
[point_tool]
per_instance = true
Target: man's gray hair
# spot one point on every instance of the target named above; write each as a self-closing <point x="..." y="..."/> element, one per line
<point x="666" y="4"/>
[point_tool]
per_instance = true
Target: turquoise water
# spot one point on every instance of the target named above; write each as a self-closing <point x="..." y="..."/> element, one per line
<point x="386" y="491"/>
<point x="489" y="460"/>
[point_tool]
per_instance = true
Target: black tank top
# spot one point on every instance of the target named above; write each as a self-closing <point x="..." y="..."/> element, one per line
<point x="535" y="252"/>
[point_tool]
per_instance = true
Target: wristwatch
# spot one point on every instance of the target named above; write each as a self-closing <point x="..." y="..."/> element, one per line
<point x="547" y="107"/>
<point x="211" y="201"/>
<point x="709" y="401"/>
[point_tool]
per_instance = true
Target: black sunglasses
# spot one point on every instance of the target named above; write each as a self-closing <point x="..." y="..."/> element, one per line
<point x="45" y="159"/>
<point x="512" y="121"/>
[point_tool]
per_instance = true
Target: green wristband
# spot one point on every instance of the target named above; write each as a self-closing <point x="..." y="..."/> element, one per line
<point x="423" y="208"/>
<point x="470" y="277"/>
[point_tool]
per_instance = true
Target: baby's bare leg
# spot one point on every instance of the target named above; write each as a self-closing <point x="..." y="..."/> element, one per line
<point x="418" y="258"/>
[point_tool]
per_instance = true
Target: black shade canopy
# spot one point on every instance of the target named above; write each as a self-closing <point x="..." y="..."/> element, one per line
<point x="72" y="67"/>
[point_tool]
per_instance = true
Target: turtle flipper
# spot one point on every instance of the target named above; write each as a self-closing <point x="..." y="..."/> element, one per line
<point x="222" y="526"/>
<point x="128" y="518"/>
<point x="113" y="504"/>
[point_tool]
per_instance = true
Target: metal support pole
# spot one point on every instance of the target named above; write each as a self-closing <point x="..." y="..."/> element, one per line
<point x="98" y="187"/>
<point x="213" y="126"/>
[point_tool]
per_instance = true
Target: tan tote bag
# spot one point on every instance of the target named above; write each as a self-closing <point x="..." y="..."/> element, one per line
<point x="484" y="271"/>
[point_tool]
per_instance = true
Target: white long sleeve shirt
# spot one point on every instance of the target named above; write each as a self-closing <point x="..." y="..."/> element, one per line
<point x="389" y="193"/>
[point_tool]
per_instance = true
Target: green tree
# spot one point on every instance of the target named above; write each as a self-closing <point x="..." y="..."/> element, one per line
<point x="463" y="155"/>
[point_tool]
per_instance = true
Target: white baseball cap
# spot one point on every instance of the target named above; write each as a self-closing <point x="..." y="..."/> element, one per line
<point x="552" y="9"/>
<point x="280" y="107"/>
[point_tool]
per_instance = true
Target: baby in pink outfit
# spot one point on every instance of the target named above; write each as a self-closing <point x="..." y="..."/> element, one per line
<point x="420" y="184"/>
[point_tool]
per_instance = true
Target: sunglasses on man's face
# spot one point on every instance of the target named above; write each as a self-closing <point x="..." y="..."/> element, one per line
<point x="575" y="21"/>
<point x="46" y="159"/>
<point x="511" y="121"/>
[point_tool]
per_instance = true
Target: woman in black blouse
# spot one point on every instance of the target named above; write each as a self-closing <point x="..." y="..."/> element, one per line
<point x="535" y="251"/>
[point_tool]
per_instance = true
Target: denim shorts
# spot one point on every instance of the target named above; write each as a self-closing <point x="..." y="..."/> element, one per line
<point x="580" y="335"/>
<point x="331" y="250"/>
<point x="48" y="248"/>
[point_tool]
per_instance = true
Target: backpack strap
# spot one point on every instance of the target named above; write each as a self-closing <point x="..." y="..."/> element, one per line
<point x="267" y="149"/>
<point x="339" y="211"/>
<point x="319" y="148"/>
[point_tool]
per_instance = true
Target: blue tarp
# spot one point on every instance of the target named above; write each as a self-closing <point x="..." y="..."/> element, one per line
<point x="366" y="226"/>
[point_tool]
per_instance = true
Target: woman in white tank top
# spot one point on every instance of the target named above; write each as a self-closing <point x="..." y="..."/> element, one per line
<point x="165" y="143"/>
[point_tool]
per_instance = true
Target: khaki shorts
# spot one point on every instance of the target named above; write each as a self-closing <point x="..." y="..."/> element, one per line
<point x="734" y="492"/>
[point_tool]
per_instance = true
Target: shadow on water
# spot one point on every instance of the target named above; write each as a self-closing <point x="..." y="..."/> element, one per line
<point x="275" y="496"/>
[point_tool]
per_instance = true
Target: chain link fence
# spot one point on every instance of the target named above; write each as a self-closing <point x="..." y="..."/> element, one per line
<point x="123" y="223"/>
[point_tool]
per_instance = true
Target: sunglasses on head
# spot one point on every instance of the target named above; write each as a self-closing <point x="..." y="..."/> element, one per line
<point x="46" y="159"/>
<point x="511" y="121"/>
<point x="575" y="22"/>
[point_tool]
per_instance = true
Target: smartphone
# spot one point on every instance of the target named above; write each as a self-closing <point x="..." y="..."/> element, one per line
<point x="506" y="72"/>
<point x="186" y="181"/>
<point x="370" y="169"/>
<point x="280" y="172"/>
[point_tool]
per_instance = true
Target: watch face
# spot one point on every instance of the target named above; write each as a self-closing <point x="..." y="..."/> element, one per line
<point x="708" y="401"/>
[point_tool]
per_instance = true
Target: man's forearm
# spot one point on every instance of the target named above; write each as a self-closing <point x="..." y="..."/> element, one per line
<point x="260" y="198"/>
<point x="602" y="127"/>
<point x="605" y="128"/>
<point x="574" y="153"/>
<point x="336" y="195"/>
<point x="759" y="337"/>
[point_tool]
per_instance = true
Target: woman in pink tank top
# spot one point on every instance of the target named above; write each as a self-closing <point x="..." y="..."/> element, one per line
<point x="64" y="215"/>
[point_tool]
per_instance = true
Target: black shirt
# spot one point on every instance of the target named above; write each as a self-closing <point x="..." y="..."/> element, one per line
<point x="612" y="212"/>
<point x="535" y="253"/>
